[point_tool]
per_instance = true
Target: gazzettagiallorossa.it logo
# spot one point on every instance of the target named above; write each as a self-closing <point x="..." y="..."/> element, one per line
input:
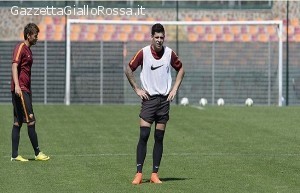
<point x="78" y="11"/>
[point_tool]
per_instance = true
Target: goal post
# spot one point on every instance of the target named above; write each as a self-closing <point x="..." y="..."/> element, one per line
<point x="277" y="23"/>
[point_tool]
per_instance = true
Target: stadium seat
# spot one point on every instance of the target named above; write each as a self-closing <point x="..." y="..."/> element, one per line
<point x="145" y="29"/>
<point x="217" y="29"/>
<point x="123" y="37"/>
<point x="75" y="28"/>
<point x="245" y="37"/>
<point x="48" y="20"/>
<point x="139" y="36"/>
<point x="42" y="26"/>
<point x="235" y="30"/>
<point x="106" y="36"/>
<point x="92" y="28"/>
<point x="210" y="37"/>
<point x="253" y="30"/>
<point x="192" y="37"/>
<point x="291" y="30"/>
<point x="228" y="37"/>
<point x="74" y="36"/>
<point x="263" y="38"/>
<point x="57" y="36"/>
<point x="42" y="35"/>
<point x="294" y="22"/>
<point x="109" y="28"/>
<point x="127" y="28"/>
<point x="297" y="37"/>
<point x="90" y="36"/>
<point x="199" y="29"/>
<point x="271" y="30"/>
<point x="59" y="28"/>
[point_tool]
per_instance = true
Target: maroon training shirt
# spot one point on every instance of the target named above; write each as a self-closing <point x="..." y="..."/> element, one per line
<point x="22" y="55"/>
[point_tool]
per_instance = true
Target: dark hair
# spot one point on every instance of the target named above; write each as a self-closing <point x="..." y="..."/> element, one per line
<point x="30" y="29"/>
<point x="158" y="28"/>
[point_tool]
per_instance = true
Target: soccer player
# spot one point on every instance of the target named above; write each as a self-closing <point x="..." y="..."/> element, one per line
<point x="156" y="93"/>
<point x="21" y="94"/>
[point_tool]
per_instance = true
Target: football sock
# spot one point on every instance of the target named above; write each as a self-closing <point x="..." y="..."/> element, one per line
<point x="15" y="138"/>
<point x="141" y="149"/>
<point x="33" y="138"/>
<point x="157" y="149"/>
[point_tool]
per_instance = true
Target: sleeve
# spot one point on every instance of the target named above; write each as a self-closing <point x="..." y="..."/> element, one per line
<point x="17" y="53"/>
<point x="175" y="61"/>
<point x="137" y="60"/>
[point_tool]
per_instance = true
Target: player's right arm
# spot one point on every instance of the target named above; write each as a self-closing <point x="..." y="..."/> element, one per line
<point x="15" y="77"/>
<point x="136" y="61"/>
<point x="17" y="54"/>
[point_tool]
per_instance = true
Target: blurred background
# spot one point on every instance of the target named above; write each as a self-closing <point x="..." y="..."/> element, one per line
<point x="234" y="62"/>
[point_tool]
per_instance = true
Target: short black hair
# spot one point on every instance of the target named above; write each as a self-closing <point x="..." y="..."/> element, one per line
<point x="30" y="29"/>
<point x="158" y="28"/>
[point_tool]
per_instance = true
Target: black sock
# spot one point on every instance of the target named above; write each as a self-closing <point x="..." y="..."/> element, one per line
<point x="15" y="138"/>
<point x="157" y="149"/>
<point x="33" y="138"/>
<point x="141" y="149"/>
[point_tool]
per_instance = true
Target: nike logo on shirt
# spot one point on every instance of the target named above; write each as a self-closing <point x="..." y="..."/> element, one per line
<point x="154" y="68"/>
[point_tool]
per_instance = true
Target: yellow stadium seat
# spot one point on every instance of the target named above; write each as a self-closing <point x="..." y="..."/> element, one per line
<point x="109" y="28"/>
<point x="246" y="37"/>
<point x="253" y="30"/>
<point x="297" y="37"/>
<point x="211" y="37"/>
<point x="199" y="29"/>
<point x="139" y="36"/>
<point x="106" y="36"/>
<point x="294" y="21"/>
<point x="235" y="29"/>
<point x="93" y="28"/>
<point x="48" y="20"/>
<point x="123" y="37"/>
<point x="192" y="37"/>
<point x="217" y="29"/>
<point x="127" y="28"/>
<point x="74" y="36"/>
<point x="57" y="36"/>
<point x="228" y="37"/>
<point x="263" y="38"/>
<point x="90" y="36"/>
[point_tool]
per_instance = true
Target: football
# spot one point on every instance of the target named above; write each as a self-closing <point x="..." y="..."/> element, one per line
<point x="220" y="102"/>
<point x="203" y="101"/>
<point x="249" y="102"/>
<point x="184" y="101"/>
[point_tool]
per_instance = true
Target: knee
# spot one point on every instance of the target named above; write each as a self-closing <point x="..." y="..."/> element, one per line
<point x="31" y="123"/>
<point x="144" y="133"/>
<point x="17" y="124"/>
<point x="159" y="135"/>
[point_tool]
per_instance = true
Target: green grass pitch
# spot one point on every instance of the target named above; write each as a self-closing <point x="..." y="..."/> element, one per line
<point x="210" y="150"/>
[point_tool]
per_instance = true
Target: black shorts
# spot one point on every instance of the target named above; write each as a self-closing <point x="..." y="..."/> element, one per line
<point x="23" y="112"/>
<point x="155" y="109"/>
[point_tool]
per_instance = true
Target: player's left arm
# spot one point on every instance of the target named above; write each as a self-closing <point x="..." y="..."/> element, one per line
<point x="177" y="65"/>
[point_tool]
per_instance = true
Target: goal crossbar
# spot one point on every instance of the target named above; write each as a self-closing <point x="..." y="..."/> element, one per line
<point x="278" y="23"/>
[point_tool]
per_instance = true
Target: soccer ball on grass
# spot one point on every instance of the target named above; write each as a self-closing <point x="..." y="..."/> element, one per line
<point x="184" y="101"/>
<point x="249" y="102"/>
<point x="221" y="102"/>
<point x="203" y="101"/>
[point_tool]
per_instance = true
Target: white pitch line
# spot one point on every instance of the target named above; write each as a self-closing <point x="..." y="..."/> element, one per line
<point x="198" y="107"/>
<point x="175" y="154"/>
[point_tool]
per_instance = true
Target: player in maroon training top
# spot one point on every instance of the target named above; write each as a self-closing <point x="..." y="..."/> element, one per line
<point x="21" y="94"/>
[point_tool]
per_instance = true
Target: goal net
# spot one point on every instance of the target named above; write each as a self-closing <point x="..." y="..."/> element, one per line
<point x="219" y="58"/>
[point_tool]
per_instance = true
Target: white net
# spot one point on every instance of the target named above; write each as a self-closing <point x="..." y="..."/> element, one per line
<point x="233" y="70"/>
